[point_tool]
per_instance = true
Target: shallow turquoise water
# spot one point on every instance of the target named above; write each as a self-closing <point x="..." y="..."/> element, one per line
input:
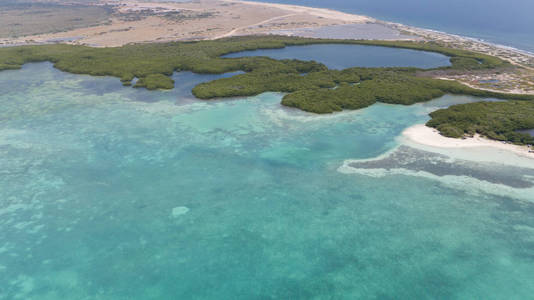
<point x="347" y="56"/>
<point x="109" y="192"/>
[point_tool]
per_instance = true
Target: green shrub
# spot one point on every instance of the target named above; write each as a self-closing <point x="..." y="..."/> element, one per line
<point x="309" y="85"/>
<point x="496" y="120"/>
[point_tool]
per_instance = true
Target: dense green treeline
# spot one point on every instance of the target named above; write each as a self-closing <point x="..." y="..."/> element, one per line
<point x="344" y="96"/>
<point x="153" y="81"/>
<point x="141" y="60"/>
<point x="495" y="120"/>
<point x="328" y="91"/>
<point x="308" y="85"/>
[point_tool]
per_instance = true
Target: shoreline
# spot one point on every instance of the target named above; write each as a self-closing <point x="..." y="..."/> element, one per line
<point x="343" y="18"/>
<point x="279" y="12"/>
<point x="357" y="18"/>
<point x="390" y="24"/>
<point x="316" y="11"/>
<point x="427" y="136"/>
<point x="216" y="19"/>
<point x="463" y="37"/>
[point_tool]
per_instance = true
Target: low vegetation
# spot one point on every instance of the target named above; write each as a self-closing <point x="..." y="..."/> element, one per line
<point x="308" y="85"/>
<point x="141" y="60"/>
<point x="330" y="91"/>
<point x="22" y="18"/>
<point x="496" y="120"/>
<point x="153" y="81"/>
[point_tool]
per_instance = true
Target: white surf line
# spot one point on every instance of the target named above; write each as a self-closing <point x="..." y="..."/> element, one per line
<point x="232" y="32"/>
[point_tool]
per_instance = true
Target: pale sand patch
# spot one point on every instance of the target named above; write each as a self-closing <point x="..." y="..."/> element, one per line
<point x="236" y="30"/>
<point x="427" y="136"/>
<point x="318" y="12"/>
<point x="214" y="19"/>
<point x="179" y="211"/>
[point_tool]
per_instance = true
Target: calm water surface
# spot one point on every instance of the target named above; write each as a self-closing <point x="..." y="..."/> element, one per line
<point x="503" y="22"/>
<point x="109" y="192"/>
<point x="531" y="132"/>
<point x="346" y="56"/>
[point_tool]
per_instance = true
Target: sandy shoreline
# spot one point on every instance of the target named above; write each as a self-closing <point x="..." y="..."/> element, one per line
<point x="319" y="12"/>
<point x="423" y="135"/>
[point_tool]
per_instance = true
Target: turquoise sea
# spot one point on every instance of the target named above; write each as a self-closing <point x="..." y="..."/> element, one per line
<point x="109" y="192"/>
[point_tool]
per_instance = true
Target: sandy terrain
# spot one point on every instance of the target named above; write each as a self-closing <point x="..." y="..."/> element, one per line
<point x="518" y="80"/>
<point x="318" y="12"/>
<point x="205" y="19"/>
<point x="427" y="136"/>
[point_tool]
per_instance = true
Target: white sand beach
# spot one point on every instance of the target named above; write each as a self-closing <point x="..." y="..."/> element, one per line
<point x="428" y="136"/>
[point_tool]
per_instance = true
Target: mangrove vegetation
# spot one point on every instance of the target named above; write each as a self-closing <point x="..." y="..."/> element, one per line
<point x="308" y="85"/>
<point x="496" y="120"/>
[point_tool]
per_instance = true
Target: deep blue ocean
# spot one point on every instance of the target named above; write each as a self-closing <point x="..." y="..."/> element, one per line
<point x="508" y="23"/>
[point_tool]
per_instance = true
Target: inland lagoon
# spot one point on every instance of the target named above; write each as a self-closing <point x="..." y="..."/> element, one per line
<point x="109" y="192"/>
<point x="347" y="56"/>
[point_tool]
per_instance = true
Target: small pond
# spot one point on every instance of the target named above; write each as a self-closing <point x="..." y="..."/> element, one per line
<point x="529" y="131"/>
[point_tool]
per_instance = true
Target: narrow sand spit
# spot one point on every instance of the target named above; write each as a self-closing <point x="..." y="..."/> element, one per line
<point x="427" y="136"/>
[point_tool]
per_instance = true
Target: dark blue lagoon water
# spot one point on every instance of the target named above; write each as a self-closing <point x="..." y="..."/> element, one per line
<point x="346" y="56"/>
<point x="109" y="192"/>
<point x="503" y="22"/>
<point x="531" y="132"/>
